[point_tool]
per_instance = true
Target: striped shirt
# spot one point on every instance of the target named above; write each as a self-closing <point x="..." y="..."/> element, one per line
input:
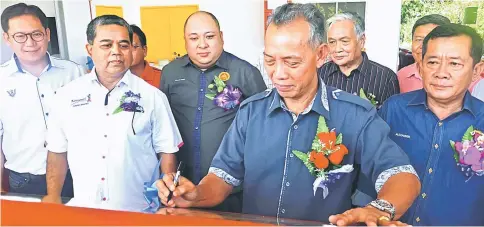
<point x="374" y="78"/>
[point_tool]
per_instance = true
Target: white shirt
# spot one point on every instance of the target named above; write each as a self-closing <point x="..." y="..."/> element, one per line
<point x="109" y="162"/>
<point x="25" y="102"/>
<point x="478" y="91"/>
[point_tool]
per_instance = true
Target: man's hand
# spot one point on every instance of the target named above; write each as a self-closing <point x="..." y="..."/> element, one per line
<point x="52" y="199"/>
<point x="368" y="215"/>
<point x="184" y="195"/>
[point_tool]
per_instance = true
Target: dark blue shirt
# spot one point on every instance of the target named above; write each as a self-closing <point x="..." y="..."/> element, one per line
<point x="256" y="152"/>
<point x="446" y="198"/>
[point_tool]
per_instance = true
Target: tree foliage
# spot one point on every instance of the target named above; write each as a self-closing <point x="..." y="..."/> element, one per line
<point x="412" y="10"/>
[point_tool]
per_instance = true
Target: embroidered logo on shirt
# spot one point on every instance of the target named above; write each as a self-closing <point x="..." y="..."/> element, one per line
<point x="12" y="92"/>
<point x="81" y="102"/>
<point x="402" y="135"/>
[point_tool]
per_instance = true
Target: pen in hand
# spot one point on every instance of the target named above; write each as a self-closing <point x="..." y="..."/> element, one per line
<point x="175" y="181"/>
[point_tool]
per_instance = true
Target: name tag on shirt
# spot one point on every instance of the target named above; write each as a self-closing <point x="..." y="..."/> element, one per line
<point x="402" y="135"/>
<point x="81" y="102"/>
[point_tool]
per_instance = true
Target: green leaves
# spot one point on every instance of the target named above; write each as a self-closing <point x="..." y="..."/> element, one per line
<point x="339" y="139"/>
<point x="118" y="110"/>
<point x="219" y="83"/>
<point x="456" y="154"/>
<point x="301" y="155"/>
<point x="467" y="135"/>
<point x="322" y="127"/>
<point x="363" y="95"/>
<point x="210" y="96"/>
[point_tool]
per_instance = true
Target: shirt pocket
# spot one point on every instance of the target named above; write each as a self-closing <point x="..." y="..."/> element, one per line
<point x="184" y="93"/>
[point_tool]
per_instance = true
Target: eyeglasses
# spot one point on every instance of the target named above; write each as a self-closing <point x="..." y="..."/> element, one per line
<point x="21" y="37"/>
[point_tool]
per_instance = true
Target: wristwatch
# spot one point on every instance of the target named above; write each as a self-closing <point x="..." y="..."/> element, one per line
<point x="384" y="206"/>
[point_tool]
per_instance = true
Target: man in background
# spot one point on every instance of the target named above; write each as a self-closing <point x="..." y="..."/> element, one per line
<point x="140" y="66"/>
<point x="110" y="126"/>
<point x="409" y="77"/>
<point x="205" y="88"/>
<point x="426" y="122"/>
<point x="350" y="69"/>
<point x="28" y="82"/>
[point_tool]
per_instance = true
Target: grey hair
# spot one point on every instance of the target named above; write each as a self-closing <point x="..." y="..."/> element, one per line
<point x="358" y="23"/>
<point x="289" y="12"/>
<point x="106" y="20"/>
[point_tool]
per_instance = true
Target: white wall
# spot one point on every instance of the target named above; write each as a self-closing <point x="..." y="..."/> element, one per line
<point x="242" y="21"/>
<point x="382" y="21"/>
<point x="76" y="16"/>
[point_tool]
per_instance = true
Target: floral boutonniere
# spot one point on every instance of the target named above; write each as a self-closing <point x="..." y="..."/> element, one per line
<point x="370" y="97"/>
<point x="224" y="95"/>
<point x="325" y="157"/>
<point x="129" y="103"/>
<point x="469" y="152"/>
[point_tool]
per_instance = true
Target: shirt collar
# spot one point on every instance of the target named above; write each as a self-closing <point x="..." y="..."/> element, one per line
<point x="413" y="69"/>
<point x="363" y="67"/>
<point x="18" y="67"/>
<point x="420" y="98"/>
<point x="320" y="104"/>
<point x="222" y="62"/>
<point x="125" y="81"/>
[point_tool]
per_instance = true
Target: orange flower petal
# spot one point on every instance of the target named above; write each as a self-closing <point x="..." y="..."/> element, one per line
<point x="321" y="161"/>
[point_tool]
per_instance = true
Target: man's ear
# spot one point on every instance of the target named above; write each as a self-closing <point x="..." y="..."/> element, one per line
<point x="145" y="51"/>
<point x="477" y="71"/>
<point x="47" y="33"/>
<point x="322" y="54"/>
<point x="222" y="36"/>
<point x="5" y="38"/>
<point x="362" y="42"/>
<point x="89" y="49"/>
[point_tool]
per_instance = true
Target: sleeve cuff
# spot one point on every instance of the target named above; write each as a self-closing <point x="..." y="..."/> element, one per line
<point x="229" y="179"/>
<point x="385" y="175"/>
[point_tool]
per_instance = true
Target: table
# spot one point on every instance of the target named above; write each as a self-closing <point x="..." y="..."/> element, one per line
<point x="14" y="212"/>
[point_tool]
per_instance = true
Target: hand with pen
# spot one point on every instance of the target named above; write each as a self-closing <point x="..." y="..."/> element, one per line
<point x="176" y="190"/>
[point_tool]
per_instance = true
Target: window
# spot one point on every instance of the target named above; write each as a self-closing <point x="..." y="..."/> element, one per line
<point x="330" y="9"/>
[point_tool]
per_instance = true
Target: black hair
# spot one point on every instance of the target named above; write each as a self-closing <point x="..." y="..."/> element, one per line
<point x="106" y="20"/>
<point x="140" y="33"/>
<point x="454" y="30"/>
<point x="436" y="19"/>
<point x="21" y="9"/>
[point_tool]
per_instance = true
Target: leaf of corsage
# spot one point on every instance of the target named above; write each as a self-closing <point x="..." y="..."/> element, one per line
<point x="210" y="96"/>
<point x="210" y="86"/>
<point x="219" y="83"/>
<point x="467" y="135"/>
<point x="339" y="139"/>
<point x="362" y="94"/>
<point x="301" y="155"/>
<point x="456" y="153"/>
<point x="118" y="110"/>
<point x="322" y="127"/>
<point x="220" y="89"/>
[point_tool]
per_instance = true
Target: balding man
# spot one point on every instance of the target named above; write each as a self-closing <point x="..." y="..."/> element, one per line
<point x="205" y="88"/>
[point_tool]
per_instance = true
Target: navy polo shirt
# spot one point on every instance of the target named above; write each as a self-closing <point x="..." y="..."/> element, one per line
<point x="447" y="196"/>
<point x="256" y="153"/>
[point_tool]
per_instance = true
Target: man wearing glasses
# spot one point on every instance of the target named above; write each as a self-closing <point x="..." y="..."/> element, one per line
<point x="140" y="66"/>
<point x="28" y="83"/>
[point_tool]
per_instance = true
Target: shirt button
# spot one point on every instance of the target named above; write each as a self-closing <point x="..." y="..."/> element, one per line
<point x="102" y="178"/>
<point x="105" y="136"/>
<point x="46" y="114"/>
<point x="104" y="199"/>
<point x="38" y="79"/>
<point x="417" y="219"/>
<point x="42" y="95"/>
<point x="201" y="89"/>
<point x="424" y="195"/>
<point x="107" y="114"/>
<point x="295" y="126"/>
<point x="199" y="108"/>
<point x="440" y="123"/>
<point x="283" y="211"/>
<point x="291" y="155"/>
<point x="430" y="170"/>
<point x="104" y="157"/>
<point x="288" y="184"/>
<point x="196" y="128"/>
<point x="436" y="146"/>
